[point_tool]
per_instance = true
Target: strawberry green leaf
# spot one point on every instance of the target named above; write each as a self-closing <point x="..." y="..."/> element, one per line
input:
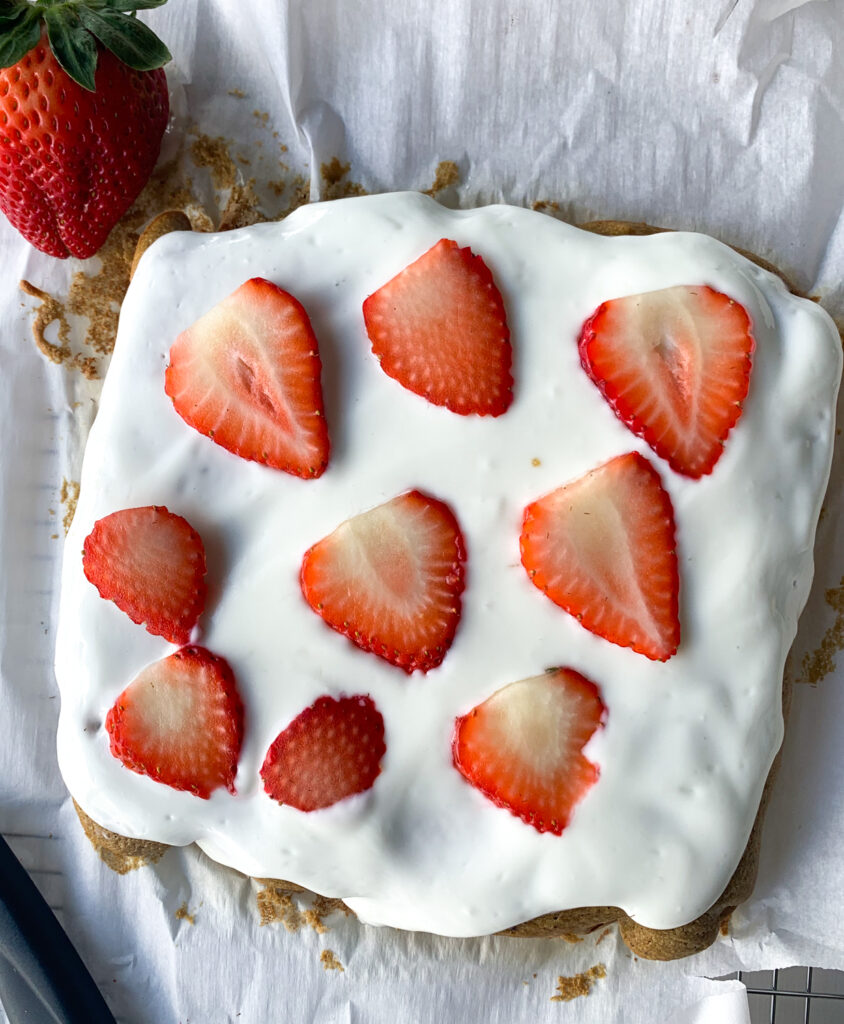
<point x="129" y="40"/>
<point x="128" y="6"/>
<point x="11" y="10"/>
<point x="18" y="35"/>
<point x="72" y="46"/>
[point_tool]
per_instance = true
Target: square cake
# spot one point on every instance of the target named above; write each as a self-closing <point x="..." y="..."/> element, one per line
<point x="592" y="720"/>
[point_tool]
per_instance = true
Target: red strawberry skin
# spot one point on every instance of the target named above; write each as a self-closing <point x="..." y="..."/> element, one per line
<point x="151" y="563"/>
<point x="603" y="549"/>
<point x="675" y="366"/>
<point x="71" y="161"/>
<point x="440" y="329"/>
<point x="332" y="750"/>
<point x="181" y="723"/>
<point x="247" y="375"/>
<point x="390" y="580"/>
<point x="523" y="746"/>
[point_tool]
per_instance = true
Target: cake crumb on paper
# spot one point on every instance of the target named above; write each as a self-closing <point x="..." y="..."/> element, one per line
<point x="213" y="153"/>
<point x="69" y="496"/>
<point x="335" y="183"/>
<point x="446" y="175"/>
<point x="50" y="311"/>
<point x="818" y="664"/>
<point x="578" y="985"/>
<point x="237" y="93"/>
<point x="329" y="961"/>
<point x="603" y="935"/>
<point x="182" y="914"/>
<point x="570" y="937"/>
<point x="276" y="904"/>
<point x="546" y="206"/>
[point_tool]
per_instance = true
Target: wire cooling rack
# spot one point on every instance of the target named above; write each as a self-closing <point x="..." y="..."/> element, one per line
<point x="795" y="995"/>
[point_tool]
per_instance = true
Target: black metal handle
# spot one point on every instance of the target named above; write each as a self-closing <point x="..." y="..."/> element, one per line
<point x="42" y="979"/>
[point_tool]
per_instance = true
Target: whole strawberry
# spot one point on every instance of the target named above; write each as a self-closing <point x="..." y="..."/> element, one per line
<point x="83" y="107"/>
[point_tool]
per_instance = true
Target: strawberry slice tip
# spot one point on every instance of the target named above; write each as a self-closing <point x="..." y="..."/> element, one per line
<point x="523" y="746"/>
<point x="332" y="750"/>
<point x="247" y="375"/>
<point x="390" y="580"/>
<point x="151" y="564"/>
<point x="674" y="365"/>
<point x="181" y="723"/>
<point x="439" y="328"/>
<point x="603" y="549"/>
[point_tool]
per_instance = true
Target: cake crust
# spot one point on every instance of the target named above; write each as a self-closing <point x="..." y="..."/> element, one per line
<point x="122" y="853"/>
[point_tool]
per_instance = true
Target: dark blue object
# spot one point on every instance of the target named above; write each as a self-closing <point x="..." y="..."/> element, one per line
<point x="42" y="979"/>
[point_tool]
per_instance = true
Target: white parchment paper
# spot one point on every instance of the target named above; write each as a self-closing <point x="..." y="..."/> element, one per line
<point x="725" y="116"/>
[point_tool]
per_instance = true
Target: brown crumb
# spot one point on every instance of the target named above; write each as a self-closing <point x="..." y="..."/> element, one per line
<point x="277" y="187"/>
<point x="336" y="186"/>
<point x="724" y="926"/>
<point x="570" y="937"/>
<point x="536" y="462"/>
<point x="546" y="206"/>
<point x="301" y="195"/>
<point x="329" y="961"/>
<point x="446" y="175"/>
<point x="333" y="172"/>
<point x="241" y="209"/>
<point x="69" y="496"/>
<point x="578" y="985"/>
<point x="237" y="93"/>
<point x="817" y="665"/>
<point x="261" y="115"/>
<point x="183" y="915"/>
<point x="50" y="311"/>
<point x="214" y="154"/>
<point x="276" y="905"/>
<point x="602" y="936"/>
<point x="323" y="907"/>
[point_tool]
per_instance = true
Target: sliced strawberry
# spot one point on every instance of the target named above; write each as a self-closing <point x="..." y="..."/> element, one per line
<point x="675" y="367"/>
<point x="603" y="548"/>
<point x="332" y="750"/>
<point x="390" y="580"/>
<point x="439" y="329"/>
<point x="247" y="374"/>
<point x="181" y="723"/>
<point x="151" y="563"/>
<point x="523" y="747"/>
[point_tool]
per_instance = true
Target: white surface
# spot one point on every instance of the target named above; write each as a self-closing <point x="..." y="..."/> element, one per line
<point x="687" y="743"/>
<point x="637" y="111"/>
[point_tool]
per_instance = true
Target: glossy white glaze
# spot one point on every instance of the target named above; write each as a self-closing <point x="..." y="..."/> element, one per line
<point x="687" y="744"/>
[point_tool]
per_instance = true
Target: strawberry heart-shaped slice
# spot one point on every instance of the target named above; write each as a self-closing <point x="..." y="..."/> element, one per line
<point x="674" y="365"/>
<point x="523" y="746"/>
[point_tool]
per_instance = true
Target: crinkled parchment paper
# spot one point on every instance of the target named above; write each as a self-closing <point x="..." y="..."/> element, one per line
<point x="719" y="115"/>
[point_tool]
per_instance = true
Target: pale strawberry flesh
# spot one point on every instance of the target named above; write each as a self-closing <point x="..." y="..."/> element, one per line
<point x="390" y="579"/>
<point x="329" y="752"/>
<point x="523" y="746"/>
<point x="151" y="564"/>
<point x="181" y="723"/>
<point x="247" y="375"/>
<point x="440" y="329"/>
<point x="674" y="365"/>
<point x="603" y="549"/>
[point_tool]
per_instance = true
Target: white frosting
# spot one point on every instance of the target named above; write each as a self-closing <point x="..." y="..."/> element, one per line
<point x="687" y="744"/>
